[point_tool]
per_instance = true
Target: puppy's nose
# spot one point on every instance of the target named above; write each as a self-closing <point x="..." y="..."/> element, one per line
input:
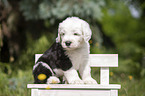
<point x="67" y="43"/>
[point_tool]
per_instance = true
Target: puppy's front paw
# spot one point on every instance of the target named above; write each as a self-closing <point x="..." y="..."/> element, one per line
<point x="53" y="80"/>
<point x="90" y="81"/>
<point x="76" y="81"/>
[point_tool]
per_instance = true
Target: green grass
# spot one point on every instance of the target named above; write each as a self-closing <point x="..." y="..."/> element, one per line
<point x="130" y="86"/>
<point x="15" y="84"/>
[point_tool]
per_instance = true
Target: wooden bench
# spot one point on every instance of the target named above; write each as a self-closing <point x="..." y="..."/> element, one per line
<point x="104" y="61"/>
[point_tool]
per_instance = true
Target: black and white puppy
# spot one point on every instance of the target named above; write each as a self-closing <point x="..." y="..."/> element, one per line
<point x="69" y="54"/>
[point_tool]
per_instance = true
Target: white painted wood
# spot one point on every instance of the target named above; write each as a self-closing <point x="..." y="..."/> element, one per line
<point x="75" y="86"/>
<point x="104" y="76"/>
<point x="114" y="93"/>
<point x="104" y="60"/>
<point x="98" y="60"/>
<point x="34" y="92"/>
<point x="75" y="93"/>
<point x="37" y="57"/>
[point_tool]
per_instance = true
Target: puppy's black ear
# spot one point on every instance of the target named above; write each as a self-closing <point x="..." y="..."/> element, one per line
<point x="86" y="31"/>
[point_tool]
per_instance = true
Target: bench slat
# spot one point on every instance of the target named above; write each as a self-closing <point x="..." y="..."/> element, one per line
<point x="103" y="60"/>
<point x="98" y="60"/>
<point x="73" y="86"/>
<point x="74" y="93"/>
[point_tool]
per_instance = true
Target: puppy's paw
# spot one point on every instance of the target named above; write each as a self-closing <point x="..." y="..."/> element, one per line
<point x="90" y="81"/>
<point x="76" y="81"/>
<point x="53" y="80"/>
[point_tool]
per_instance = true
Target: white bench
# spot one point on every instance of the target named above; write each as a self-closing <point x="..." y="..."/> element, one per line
<point x="103" y="89"/>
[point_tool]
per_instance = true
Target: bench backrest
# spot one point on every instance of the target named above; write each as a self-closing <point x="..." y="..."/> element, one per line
<point x="100" y="60"/>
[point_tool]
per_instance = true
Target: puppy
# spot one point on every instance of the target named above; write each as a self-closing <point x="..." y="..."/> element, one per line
<point x="69" y="54"/>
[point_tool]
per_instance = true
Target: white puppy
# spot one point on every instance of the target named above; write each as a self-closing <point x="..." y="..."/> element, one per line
<point x="69" y="54"/>
<point x="73" y="35"/>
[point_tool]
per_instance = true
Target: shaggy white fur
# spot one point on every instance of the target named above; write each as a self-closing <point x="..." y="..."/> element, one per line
<point x="73" y="35"/>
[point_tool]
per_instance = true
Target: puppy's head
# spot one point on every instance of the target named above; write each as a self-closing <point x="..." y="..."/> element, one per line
<point x="73" y="33"/>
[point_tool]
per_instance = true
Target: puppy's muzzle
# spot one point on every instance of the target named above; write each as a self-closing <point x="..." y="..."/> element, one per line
<point x="68" y="43"/>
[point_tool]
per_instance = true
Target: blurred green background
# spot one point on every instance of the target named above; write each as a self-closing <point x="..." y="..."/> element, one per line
<point x="28" y="27"/>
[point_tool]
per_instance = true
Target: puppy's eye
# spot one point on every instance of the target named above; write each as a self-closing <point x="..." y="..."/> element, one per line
<point x="63" y="34"/>
<point x="76" y="34"/>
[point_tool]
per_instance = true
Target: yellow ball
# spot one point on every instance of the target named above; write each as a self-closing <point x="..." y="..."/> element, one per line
<point x="41" y="76"/>
<point x="48" y="87"/>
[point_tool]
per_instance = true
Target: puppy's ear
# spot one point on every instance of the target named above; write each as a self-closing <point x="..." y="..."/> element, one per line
<point x="86" y="31"/>
<point x="58" y="37"/>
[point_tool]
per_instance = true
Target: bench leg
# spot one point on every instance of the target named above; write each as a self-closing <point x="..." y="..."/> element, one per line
<point x="34" y="92"/>
<point x="104" y="76"/>
<point x="114" y="93"/>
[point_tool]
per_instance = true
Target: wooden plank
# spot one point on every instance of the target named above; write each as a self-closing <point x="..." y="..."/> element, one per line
<point x="104" y="76"/>
<point x="74" y="92"/>
<point x="34" y="92"/>
<point x="75" y="86"/>
<point x="114" y="93"/>
<point x="103" y="60"/>
<point x="98" y="60"/>
<point x="37" y="57"/>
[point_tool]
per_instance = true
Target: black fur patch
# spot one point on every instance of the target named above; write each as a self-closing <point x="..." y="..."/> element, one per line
<point x="56" y="58"/>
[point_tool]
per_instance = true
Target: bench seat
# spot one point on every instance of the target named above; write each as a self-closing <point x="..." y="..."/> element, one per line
<point x="73" y="86"/>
